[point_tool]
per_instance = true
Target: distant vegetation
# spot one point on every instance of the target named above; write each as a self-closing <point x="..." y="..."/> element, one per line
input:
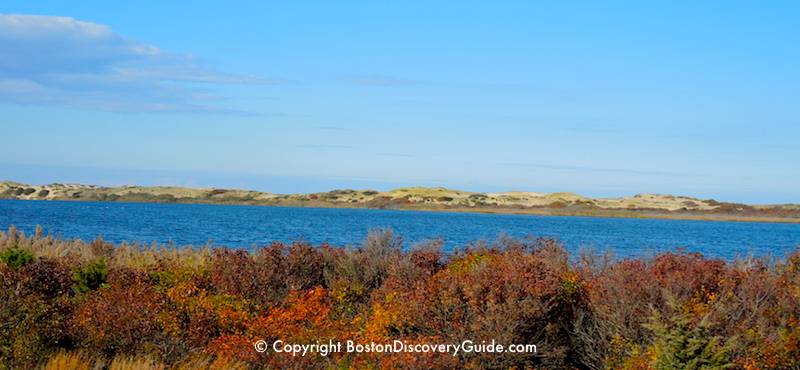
<point x="427" y="199"/>
<point x="71" y="304"/>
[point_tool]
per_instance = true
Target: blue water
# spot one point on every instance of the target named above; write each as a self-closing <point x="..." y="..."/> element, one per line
<point x="244" y="226"/>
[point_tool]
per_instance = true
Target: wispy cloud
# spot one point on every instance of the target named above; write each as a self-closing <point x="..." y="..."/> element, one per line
<point x="731" y="131"/>
<point x="63" y="62"/>
<point x="361" y="80"/>
<point x="600" y="169"/>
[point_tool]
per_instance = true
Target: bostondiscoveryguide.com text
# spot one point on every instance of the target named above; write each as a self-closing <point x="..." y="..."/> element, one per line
<point x="327" y="347"/>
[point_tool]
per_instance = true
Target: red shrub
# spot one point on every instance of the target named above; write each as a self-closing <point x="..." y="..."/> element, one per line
<point x="513" y="298"/>
<point x="124" y="319"/>
<point x="48" y="278"/>
<point x="270" y="274"/>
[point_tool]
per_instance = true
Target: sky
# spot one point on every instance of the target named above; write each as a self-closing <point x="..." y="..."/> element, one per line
<point x="604" y="99"/>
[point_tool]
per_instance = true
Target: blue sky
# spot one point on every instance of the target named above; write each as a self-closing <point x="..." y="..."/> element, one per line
<point x="604" y="100"/>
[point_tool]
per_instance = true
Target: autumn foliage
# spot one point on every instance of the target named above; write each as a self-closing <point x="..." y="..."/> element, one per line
<point x="71" y="304"/>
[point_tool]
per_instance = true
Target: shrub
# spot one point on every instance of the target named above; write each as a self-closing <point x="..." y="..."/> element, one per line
<point x="48" y="278"/>
<point x="413" y="267"/>
<point x="91" y="276"/>
<point x="237" y="273"/>
<point x="355" y="273"/>
<point x="125" y="320"/>
<point x="15" y="257"/>
<point x="304" y="266"/>
<point x="557" y="205"/>
<point x="628" y="290"/>
<point x="512" y="297"/>
<point x="682" y="344"/>
<point x="198" y="308"/>
<point x="31" y="324"/>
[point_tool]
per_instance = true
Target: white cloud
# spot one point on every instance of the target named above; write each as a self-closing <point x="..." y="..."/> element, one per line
<point x="60" y="61"/>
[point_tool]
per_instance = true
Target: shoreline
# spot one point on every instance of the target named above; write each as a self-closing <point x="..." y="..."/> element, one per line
<point x="655" y="216"/>
<point x="603" y="213"/>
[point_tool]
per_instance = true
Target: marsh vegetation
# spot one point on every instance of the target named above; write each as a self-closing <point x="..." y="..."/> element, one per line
<point x="87" y="304"/>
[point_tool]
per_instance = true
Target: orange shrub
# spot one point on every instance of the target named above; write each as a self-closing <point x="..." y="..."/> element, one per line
<point x="303" y="318"/>
<point x="199" y="316"/>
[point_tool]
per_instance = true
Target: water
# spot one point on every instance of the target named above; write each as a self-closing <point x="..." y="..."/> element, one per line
<point x="243" y="226"/>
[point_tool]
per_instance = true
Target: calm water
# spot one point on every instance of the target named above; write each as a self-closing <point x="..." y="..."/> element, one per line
<point x="243" y="226"/>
